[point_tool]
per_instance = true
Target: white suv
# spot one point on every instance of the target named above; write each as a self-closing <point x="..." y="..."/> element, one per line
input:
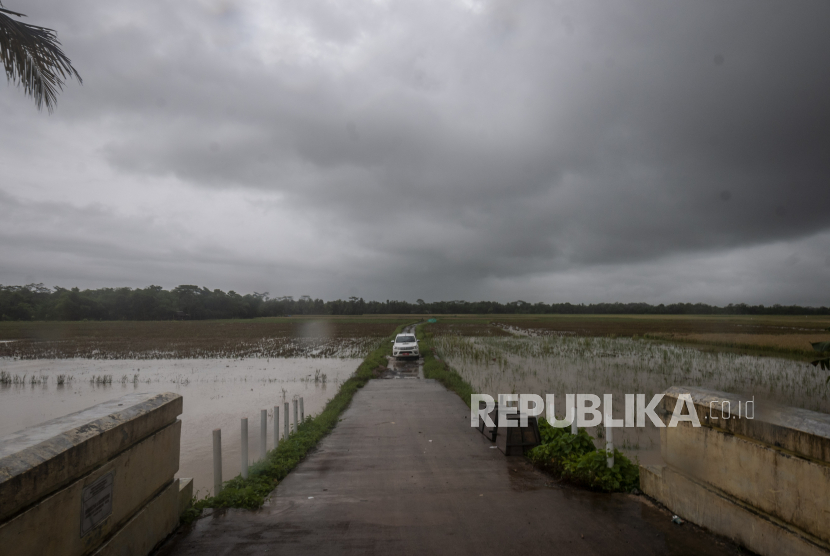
<point x="405" y="345"/>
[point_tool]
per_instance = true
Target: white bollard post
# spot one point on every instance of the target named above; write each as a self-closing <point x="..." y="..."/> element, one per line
<point x="574" y="428"/>
<point x="263" y="432"/>
<point x="244" y="452"/>
<point x="217" y="461"/>
<point x="276" y="426"/>
<point x="286" y="424"/>
<point x="609" y="441"/>
<point x="296" y="422"/>
<point x="302" y="412"/>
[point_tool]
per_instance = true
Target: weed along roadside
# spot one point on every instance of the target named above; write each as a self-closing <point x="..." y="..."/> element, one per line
<point x="574" y="458"/>
<point x="439" y="370"/>
<point x="264" y="475"/>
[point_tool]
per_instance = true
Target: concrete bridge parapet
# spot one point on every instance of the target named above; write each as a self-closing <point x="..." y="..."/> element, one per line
<point x="761" y="479"/>
<point x="99" y="481"/>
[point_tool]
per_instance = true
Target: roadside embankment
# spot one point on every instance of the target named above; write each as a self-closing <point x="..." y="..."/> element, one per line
<point x="437" y="369"/>
<point x="264" y="475"/>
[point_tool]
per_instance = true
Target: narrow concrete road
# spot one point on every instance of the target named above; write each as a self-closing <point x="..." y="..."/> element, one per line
<point x="404" y="473"/>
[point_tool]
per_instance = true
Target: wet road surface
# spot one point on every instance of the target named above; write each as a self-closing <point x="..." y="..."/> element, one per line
<point x="404" y="473"/>
<point x="404" y="369"/>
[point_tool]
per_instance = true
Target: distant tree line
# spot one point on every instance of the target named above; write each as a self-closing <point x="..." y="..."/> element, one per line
<point x="36" y="302"/>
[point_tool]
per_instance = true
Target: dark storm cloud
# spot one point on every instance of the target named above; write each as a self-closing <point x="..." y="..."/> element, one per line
<point x="465" y="144"/>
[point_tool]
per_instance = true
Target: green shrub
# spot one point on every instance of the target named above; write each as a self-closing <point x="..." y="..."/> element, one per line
<point x="559" y="443"/>
<point x="576" y="459"/>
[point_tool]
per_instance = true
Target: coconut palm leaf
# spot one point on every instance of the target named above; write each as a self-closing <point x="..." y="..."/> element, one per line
<point x="821" y="346"/>
<point x="32" y="56"/>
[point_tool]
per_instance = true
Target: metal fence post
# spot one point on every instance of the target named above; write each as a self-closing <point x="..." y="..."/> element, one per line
<point x="609" y="441"/>
<point x="302" y="411"/>
<point x="295" y="416"/>
<point x="276" y="426"/>
<point x="263" y="433"/>
<point x="244" y="452"/>
<point x="217" y="461"/>
<point x="574" y="428"/>
<point x="286" y="424"/>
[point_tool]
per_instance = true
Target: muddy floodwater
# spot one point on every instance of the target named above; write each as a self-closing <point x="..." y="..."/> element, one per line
<point x="217" y="394"/>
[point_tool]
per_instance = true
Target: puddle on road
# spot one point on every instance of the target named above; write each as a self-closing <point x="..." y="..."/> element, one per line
<point x="403" y="368"/>
<point x="217" y="394"/>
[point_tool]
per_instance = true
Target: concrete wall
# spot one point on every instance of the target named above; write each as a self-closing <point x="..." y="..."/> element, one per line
<point x="762" y="481"/>
<point x="99" y="481"/>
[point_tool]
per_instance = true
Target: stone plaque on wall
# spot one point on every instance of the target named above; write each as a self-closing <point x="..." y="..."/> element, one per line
<point x="96" y="503"/>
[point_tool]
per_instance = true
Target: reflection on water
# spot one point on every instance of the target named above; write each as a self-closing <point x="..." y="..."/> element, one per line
<point x="217" y="394"/>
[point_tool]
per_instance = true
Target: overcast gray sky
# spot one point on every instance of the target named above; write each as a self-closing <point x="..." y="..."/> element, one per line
<point x="581" y="151"/>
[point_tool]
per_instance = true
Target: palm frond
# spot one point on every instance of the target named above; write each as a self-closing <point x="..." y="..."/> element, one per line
<point x="32" y="56"/>
<point x="821" y="346"/>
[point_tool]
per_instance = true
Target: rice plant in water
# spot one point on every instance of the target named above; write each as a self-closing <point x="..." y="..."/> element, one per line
<point x="561" y="365"/>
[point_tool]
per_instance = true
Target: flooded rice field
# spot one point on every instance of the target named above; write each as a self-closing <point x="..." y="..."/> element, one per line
<point x="217" y="394"/>
<point x="562" y="364"/>
<point x="279" y="347"/>
<point x="231" y="339"/>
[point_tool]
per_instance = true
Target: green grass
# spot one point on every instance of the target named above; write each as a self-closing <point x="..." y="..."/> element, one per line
<point x="264" y="476"/>
<point x="439" y="370"/>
